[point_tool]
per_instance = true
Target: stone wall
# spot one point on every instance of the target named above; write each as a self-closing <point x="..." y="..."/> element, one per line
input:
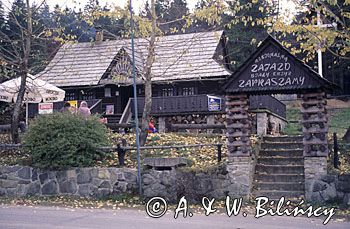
<point x="87" y="182"/>
<point x="217" y="182"/>
<point x="330" y="188"/>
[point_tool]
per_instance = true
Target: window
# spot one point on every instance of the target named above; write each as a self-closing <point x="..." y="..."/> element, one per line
<point x="188" y="91"/>
<point x="88" y="95"/>
<point x="70" y="95"/>
<point x="108" y="92"/>
<point x="167" y="92"/>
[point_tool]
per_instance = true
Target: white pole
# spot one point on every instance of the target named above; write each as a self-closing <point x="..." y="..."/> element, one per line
<point x="27" y="114"/>
<point x="319" y="52"/>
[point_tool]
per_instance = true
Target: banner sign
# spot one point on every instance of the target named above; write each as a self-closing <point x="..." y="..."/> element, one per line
<point x="214" y="103"/>
<point x="45" y="108"/>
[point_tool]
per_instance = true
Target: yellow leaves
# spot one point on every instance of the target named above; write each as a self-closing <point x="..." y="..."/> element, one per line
<point x="346" y="14"/>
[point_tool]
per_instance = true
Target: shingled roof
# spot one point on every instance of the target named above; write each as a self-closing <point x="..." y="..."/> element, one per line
<point x="178" y="57"/>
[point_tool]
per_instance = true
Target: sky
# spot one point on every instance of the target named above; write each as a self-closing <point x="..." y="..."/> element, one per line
<point x="137" y="4"/>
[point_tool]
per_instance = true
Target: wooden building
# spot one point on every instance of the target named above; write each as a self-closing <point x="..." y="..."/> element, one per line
<point x="188" y="69"/>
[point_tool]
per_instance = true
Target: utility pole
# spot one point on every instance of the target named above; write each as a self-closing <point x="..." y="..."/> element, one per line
<point x="135" y="101"/>
<point x="319" y="51"/>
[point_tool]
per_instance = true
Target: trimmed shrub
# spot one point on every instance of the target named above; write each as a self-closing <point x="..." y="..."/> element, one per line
<point x="64" y="140"/>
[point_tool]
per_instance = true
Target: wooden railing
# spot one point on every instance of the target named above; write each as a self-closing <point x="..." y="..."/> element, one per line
<point x="127" y="114"/>
<point x="96" y="108"/>
<point x="176" y="104"/>
<point x="199" y="104"/>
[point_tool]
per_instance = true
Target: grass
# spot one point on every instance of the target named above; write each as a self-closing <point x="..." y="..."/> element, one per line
<point x="339" y="121"/>
<point x="293" y="127"/>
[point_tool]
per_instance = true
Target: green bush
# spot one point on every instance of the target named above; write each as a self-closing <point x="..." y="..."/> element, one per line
<point x="64" y="140"/>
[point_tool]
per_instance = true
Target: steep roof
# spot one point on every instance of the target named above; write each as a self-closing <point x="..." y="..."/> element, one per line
<point x="273" y="69"/>
<point x="177" y="57"/>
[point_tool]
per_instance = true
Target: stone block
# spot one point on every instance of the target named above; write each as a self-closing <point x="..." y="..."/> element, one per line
<point x="33" y="189"/>
<point x="120" y="187"/>
<point x="344" y="177"/>
<point x="147" y="179"/>
<point x="61" y="176"/>
<point x="121" y="177"/>
<point x="85" y="190"/>
<point x="24" y="182"/>
<point x="343" y="186"/>
<point x="11" y="169"/>
<point x="347" y="199"/>
<point x="11" y="191"/>
<point x="34" y="174"/>
<point x="329" y="194"/>
<point x="8" y="183"/>
<point x="43" y="177"/>
<point x="329" y="178"/>
<point x="50" y="188"/>
<point x="24" y="173"/>
<point x="96" y="182"/>
<point x="84" y="177"/>
<point x="102" y="193"/>
<point x="103" y="173"/>
<point x="21" y="190"/>
<point x="319" y="186"/>
<point x="52" y="174"/>
<point x="3" y="176"/>
<point x="68" y="186"/>
<point x="105" y="184"/>
<point x="2" y="192"/>
<point x="113" y="175"/>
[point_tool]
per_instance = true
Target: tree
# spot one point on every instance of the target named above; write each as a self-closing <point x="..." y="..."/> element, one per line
<point x="20" y="41"/>
<point x="333" y="37"/>
<point x="148" y="77"/>
<point x="25" y="43"/>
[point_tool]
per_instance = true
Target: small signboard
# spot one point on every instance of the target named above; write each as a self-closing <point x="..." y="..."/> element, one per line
<point x="214" y="103"/>
<point x="109" y="109"/>
<point x="73" y="103"/>
<point x="45" y="108"/>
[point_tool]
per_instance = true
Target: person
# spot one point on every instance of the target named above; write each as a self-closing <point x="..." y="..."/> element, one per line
<point x="151" y="127"/>
<point x="84" y="110"/>
<point x="66" y="107"/>
<point x="121" y="151"/>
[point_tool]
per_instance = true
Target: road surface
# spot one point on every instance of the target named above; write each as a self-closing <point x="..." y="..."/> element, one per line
<point x="13" y="217"/>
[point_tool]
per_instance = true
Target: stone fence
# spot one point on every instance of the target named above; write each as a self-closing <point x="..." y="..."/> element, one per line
<point x="104" y="182"/>
<point x="216" y="182"/>
<point x="172" y="184"/>
<point x="329" y="188"/>
<point x="87" y="182"/>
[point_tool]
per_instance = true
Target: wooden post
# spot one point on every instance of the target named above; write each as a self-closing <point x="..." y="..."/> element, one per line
<point x="238" y="125"/>
<point x="219" y="152"/>
<point x="335" y="151"/>
<point x="315" y="124"/>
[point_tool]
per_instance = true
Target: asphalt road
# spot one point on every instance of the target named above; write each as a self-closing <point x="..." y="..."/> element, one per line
<point x="39" y="217"/>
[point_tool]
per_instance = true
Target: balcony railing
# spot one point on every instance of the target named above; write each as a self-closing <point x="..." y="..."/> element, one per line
<point x="199" y="104"/>
<point x="176" y="104"/>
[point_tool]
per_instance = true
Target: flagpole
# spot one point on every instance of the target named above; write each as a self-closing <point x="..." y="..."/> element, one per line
<point x="135" y="101"/>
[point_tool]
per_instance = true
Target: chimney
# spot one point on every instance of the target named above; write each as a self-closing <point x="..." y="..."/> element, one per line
<point x="99" y="34"/>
